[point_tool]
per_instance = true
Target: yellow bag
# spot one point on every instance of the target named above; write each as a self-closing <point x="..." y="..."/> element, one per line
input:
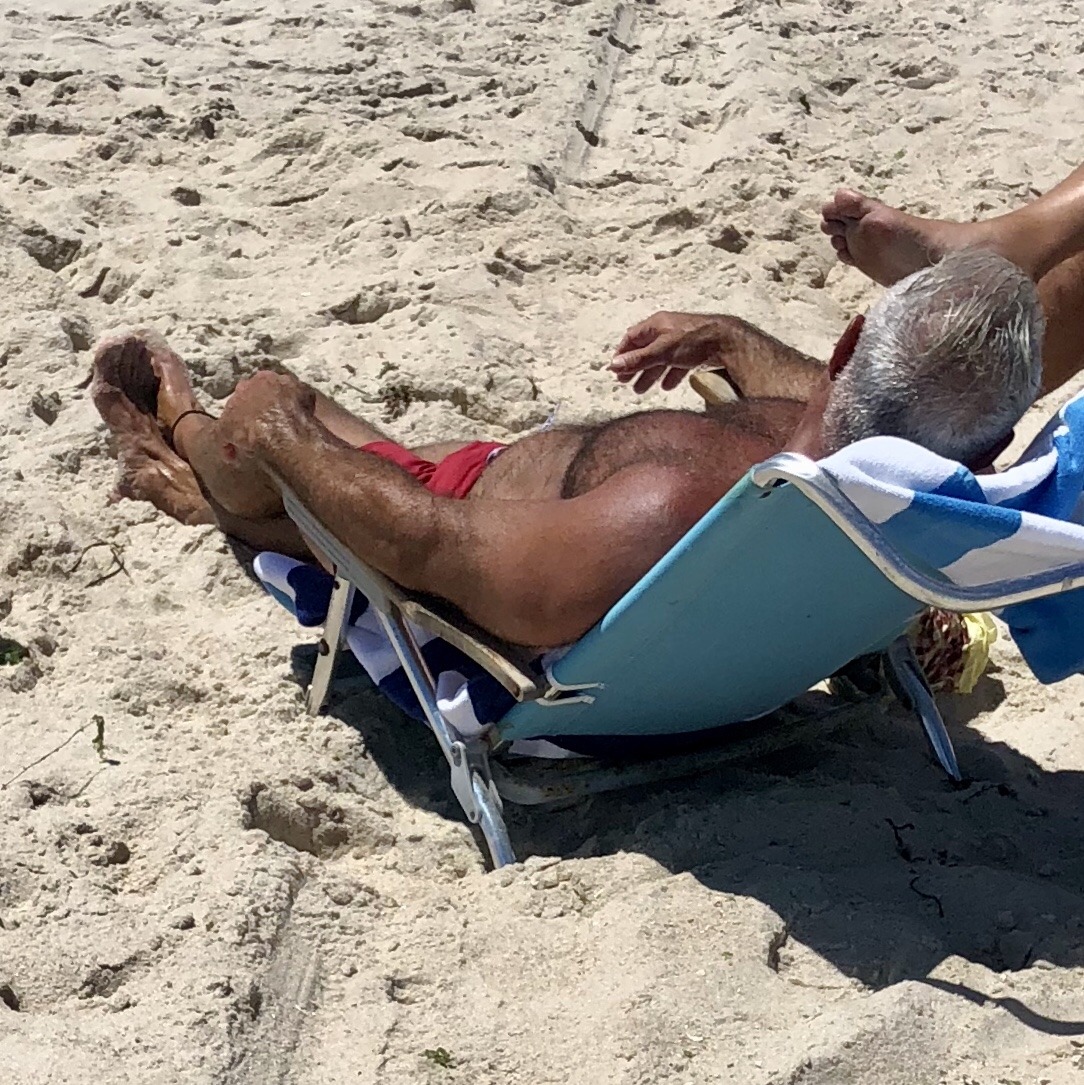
<point x="952" y="649"/>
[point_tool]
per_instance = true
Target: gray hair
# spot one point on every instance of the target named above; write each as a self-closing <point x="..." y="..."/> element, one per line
<point x="950" y="358"/>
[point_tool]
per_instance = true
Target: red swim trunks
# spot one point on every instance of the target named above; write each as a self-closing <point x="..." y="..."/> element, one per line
<point x="454" y="476"/>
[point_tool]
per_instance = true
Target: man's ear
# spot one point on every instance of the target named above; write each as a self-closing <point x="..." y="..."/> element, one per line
<point x="841" y="355"/>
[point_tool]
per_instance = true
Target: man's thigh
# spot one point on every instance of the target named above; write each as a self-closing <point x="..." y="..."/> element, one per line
<point x="344" y="425"/>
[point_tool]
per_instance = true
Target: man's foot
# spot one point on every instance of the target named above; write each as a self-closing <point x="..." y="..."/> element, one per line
<point x="140" y="387"/>
<point x="148" y="469"/>
<point x="150" y="373"/>
<point x="888" y="244"/>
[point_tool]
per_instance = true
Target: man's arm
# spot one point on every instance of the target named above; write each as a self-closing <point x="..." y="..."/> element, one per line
<point x="532" y="572"/>
<point x="763" y="366"/>
<point x="667" y="345"/>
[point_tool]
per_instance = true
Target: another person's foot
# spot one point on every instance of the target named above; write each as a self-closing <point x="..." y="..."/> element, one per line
<point x="888" y="244"/>
<point x="140" y="387"/>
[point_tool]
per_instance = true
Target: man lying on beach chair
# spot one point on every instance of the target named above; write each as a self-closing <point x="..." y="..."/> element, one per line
<point x="535" y="540"/>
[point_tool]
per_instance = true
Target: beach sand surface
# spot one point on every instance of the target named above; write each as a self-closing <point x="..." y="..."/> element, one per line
<point x="445" y="214"/>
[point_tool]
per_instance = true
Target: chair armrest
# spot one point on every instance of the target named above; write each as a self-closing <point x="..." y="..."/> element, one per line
<point x="714" y="386"/>
<point x="507" y="663"/>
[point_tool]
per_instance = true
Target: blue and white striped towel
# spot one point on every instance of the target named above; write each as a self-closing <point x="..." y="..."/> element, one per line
<point x="468" y="697"/>
<point x="975" y="529"/>
<point x="980" y="529"/>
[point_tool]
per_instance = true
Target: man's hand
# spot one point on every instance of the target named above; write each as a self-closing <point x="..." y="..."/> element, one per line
<point x="667" y="345"/>
<point x="263" y="413"/>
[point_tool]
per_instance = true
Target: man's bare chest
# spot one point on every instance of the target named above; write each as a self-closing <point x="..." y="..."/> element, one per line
<point x="714" y="445"/>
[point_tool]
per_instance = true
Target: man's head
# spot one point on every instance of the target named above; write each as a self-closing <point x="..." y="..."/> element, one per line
<point x="949" y="358"/>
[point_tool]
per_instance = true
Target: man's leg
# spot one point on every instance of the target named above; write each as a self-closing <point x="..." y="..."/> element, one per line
<point x="888" y="244"/>
<point x="434" y="453"/>
<point x="142" y="389"/>
<point x="243" y="495"/>
<point x="346" y="426"/>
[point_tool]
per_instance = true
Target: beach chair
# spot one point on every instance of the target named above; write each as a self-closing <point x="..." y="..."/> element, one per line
<point x="800" y="569"/>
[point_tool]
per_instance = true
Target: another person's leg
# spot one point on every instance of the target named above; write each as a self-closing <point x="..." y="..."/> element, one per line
<point x="1061" y="293"/>
<point x="888" y="244"/>
<point x="1045" y="238"/>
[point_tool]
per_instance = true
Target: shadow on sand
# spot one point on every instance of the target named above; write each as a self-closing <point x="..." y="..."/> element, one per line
<point x="872" y="857"/>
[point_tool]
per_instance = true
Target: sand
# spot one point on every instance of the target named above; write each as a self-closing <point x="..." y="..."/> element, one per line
<point x="445" y="214"/>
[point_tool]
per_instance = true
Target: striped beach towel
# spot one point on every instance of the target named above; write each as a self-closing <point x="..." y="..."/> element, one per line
<point x="469" y="698"/>
<point x="980" y="529"/>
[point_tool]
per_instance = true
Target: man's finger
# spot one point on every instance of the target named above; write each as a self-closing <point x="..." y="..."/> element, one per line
<point x="639" y="335"/>
<point x="635" y="360"/>
<point x="659" y="352"/>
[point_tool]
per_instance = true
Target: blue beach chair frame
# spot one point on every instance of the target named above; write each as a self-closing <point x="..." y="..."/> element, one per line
<point x="778" y="586"/>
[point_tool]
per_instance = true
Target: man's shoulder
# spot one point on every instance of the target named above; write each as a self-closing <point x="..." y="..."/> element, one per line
<point x="667" y="493"/>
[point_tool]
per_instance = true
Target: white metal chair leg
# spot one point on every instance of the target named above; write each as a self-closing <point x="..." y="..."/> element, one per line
<point x="913" y="691"/>
<point x="487" y="801"/>
<point x="342" y="597"/>
<point x="468" y="761"/>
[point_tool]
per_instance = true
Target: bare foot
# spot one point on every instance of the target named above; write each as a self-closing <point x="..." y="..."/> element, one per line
<point x="888" y="244"/>
<point x="148" y="469"/>
<point x="149" y="372"/>
<point x="139" y="388"/>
